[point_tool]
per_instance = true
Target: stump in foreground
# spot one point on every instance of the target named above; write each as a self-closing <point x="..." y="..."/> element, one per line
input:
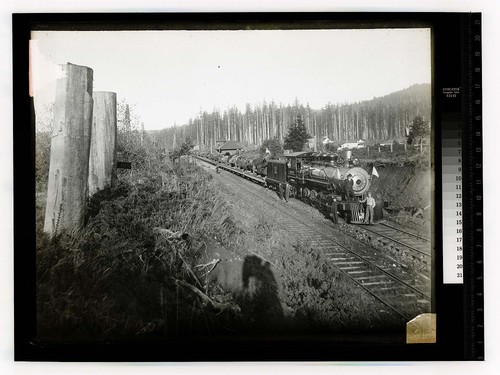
<point x="102" y="162"/>
<point x="69" y="153"/>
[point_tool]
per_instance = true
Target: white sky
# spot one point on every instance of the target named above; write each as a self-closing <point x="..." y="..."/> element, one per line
<point x="171" y="75"/>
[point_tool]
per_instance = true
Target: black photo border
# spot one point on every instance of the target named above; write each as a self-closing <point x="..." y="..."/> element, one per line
<point x="454" y="305"/>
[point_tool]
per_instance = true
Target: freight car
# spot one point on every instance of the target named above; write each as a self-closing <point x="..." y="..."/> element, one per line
<point x="318" y="178"/>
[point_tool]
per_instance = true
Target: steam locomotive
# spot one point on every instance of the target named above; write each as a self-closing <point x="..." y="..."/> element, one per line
<point x="318" y="178"/>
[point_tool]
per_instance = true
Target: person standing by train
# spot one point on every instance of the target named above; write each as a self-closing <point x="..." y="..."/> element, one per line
<point x="349" y="188"/>
<point x="370" y="205"/>
<point x="334" y="214"/>
<point x="287" y="192"/>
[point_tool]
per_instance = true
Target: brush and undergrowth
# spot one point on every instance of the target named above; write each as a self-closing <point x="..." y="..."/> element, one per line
<point x="123" y="273"/>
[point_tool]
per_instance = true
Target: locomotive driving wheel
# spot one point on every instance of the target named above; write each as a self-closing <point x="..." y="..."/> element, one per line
<point x="314" y="196"/>
<point x="306" y="193"/>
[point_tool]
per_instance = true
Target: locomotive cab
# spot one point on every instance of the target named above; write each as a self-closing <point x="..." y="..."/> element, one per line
<point x="276" y="172"/>
<point x="277" y="177"/>
<point x="297" y="161"/>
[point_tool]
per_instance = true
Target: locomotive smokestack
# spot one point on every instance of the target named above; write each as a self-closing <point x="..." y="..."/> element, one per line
<point x="347" y="155"/>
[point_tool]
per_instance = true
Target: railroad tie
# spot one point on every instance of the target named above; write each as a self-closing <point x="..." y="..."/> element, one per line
<point x="348" y="268"/>
<point x="346" y="263"/>
<point x="358" y="272"/>
<point x="379" y="283"/>
<point x="369" y="277"/>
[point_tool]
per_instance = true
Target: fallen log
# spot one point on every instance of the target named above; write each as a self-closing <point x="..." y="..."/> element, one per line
<point x="417" y="212"/>
<point x="206" y="301"/>
<point x="213" y="263"/>
<point x="169" y="235"/>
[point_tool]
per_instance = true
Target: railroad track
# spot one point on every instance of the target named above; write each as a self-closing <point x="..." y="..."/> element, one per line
<point x="400" y="240"/>
<point x="375" y="274"/>
<point x="387" y="235"/>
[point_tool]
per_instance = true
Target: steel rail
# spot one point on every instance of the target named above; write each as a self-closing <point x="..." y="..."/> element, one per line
<point x="406" y="232"/>
<point x="397" y="241"/>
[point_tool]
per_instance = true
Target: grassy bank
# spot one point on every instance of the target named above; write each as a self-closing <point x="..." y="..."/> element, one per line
<point x="119" y="275"/>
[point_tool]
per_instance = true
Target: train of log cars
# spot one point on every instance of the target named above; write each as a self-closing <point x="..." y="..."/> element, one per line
<point x="316" y="178"/>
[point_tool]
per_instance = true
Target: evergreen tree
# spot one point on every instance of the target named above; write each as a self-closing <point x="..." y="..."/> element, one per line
<point x="419" y="131"/>
<point x="297" y="135"/>
<point x="186" y="147"/>
<point x="126" y="119"/>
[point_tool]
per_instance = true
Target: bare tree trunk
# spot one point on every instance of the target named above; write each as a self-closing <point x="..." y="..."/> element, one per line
<point x="316" y="132"/>
<point x="357" y="124"/>
<point x="214" y="133"/>
<point x="203" y="132"/>
<point x="102" y="161"/>
<point x="273" y="116"/>
<point x="258" y="127"/>
<point x="197" y="136"/>
<point x="70" y="146"/>
<point x="335" y="126"/>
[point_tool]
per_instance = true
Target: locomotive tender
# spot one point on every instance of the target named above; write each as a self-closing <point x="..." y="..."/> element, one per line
<point x="319" y="178"/>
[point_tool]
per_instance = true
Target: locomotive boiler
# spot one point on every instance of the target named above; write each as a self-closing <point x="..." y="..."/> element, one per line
<point x="319" y="178"/>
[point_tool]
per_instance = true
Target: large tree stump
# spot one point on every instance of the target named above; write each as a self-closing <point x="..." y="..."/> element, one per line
<point x="69" y="153"/>
<point x="102" y="162"/>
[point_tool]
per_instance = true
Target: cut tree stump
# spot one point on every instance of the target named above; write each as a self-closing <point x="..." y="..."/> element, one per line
<point x="69" y="152"/>
<point x="102" y="162"/>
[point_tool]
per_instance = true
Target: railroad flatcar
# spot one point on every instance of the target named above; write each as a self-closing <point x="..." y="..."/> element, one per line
<point x="319" y="178"/>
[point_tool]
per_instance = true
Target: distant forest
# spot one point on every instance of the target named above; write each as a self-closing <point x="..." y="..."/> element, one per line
<point x="379" y="119"/>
